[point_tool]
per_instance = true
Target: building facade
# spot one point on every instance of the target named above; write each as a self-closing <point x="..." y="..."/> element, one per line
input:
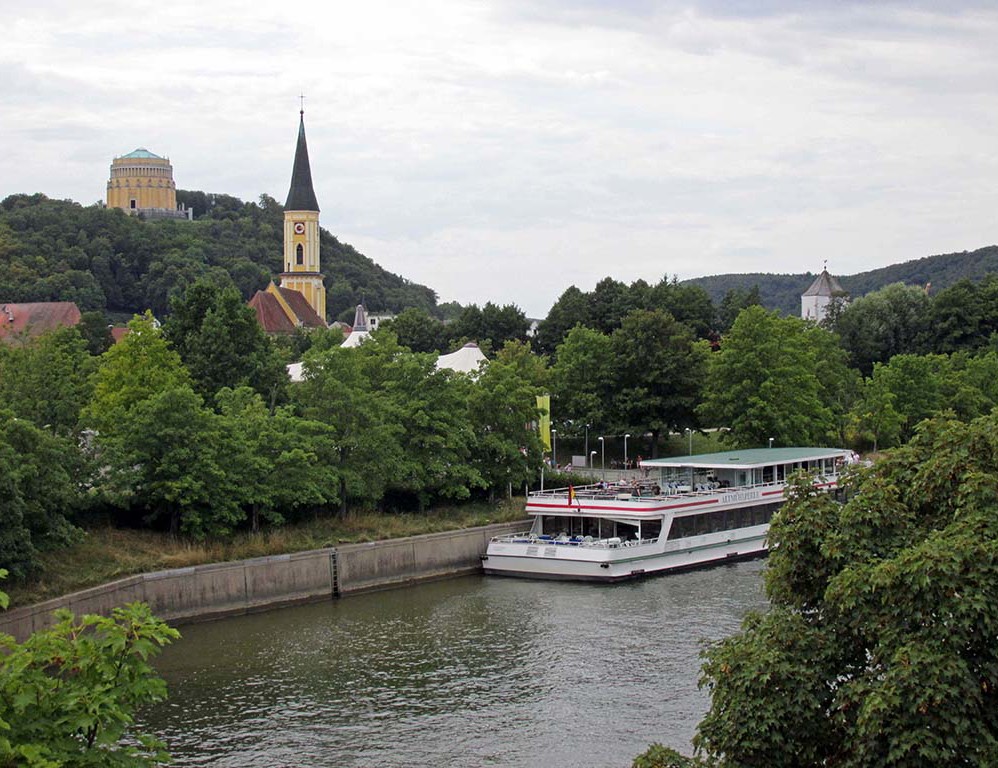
<point x="814" y="302"/>
<point x="142" y="183"/>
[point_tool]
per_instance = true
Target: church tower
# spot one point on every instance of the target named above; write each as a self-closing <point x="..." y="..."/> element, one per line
<point x="301" y="232"/>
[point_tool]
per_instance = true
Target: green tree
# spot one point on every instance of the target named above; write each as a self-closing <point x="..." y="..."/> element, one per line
<point x="39" y="476"/>
<point x="68" y="694"/>
<point x="571" y="309"/>
<point x="362" y="439"/>
<point x="882" y="324"/>
<point x="436" y="439"/>
<point x="271" y="462"/>
<point x="658" y="374"/>
<point x="503" y="408"/>
<point x="878" y="646"/>
<point x="141" y="365"/>
<point x="168" y="460"/>
<point x="416" y="329"/>
<point x="47" y="382"/>
<point x="582" y="378"/>
<point x="873" y="415"/>
<point x="222" y="344"/>
<point x="763" y="383"/>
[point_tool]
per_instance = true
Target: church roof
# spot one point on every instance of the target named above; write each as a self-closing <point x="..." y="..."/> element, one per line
<point x="824" y="285"/>
<point x="36" y="318"/>
<point x="301" y="196"/>
<point x="360" y="330"/>
<point x="274" y="319"/>
<point x="141" y="153"/>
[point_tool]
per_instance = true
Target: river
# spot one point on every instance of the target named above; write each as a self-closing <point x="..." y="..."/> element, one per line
<point x="471" y="671"/>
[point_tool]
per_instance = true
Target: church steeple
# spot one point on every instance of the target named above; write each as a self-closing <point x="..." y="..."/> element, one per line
<point x="302" y="272"/>
<point x="301" y="196"/>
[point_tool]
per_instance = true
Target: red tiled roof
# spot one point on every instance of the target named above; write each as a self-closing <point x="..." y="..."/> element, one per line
<point x="34" y="319"/>
<point x="270" y="314"/>
<point x="306" y="315"/>
<point x="119" y="332"/>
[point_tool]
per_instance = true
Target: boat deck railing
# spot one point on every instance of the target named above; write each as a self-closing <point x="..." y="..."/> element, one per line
<point x="588" y="542"/>
<point x="652" y="491"/>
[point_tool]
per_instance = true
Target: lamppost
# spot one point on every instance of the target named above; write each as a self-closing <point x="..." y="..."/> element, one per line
<point x="625" y="450"/>
<point x="587" y="440"/>
<point x="602" y="458"/>
<point x="770" y="442"/>
<point x="689" y="432"/>
<point x="554" y="447"/>
<point x="592" y="458"/>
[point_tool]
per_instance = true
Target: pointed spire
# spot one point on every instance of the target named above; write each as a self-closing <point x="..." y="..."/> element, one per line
<point x="301" y="196"/>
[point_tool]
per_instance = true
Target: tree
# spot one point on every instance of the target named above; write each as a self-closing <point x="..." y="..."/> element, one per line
<point x="436" y="439"/>
<point x="68" y="694"/>
<point x="271" y="461"/>
<point x="882" y="324"/>
<point x="503" y="407"/>
<point x="47" y="381"/>
<point x="763" y="383"/>
<point x="878" y="648"/>
<point x="417" y="330"/>
<point x="362" y="437"/>
<point x="168" y="460"/>
<point x="658" y="374"/>
<point x="873" y="415"/>
<point x="582" y="378"/>
<point x="571" y="309"/>
<point x="39" y="476"/>
<point x="222" y="344"/>
<point x="139" y="366"/>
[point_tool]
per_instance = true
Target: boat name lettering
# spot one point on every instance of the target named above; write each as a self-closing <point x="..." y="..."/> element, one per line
<point x="742" y="496"/>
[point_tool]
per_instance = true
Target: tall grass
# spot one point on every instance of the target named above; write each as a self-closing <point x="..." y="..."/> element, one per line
<point x="105" y="554"/>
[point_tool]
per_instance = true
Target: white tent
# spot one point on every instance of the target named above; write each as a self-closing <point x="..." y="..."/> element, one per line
<point x="467" y="359"/>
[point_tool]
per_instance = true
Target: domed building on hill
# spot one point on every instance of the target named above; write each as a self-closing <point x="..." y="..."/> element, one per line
<point x="142" y="183"/>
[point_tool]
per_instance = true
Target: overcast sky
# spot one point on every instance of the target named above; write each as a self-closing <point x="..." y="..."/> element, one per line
<point x="502" y="151"/>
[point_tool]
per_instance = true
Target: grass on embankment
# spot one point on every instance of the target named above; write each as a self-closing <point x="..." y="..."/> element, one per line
<point x="105" y="554"/>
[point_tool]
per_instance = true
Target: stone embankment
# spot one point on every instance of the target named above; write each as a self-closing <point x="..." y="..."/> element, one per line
<point x="224" y="589"/>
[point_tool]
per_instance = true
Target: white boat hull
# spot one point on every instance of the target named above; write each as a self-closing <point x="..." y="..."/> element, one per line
<point x="551" y="560"/>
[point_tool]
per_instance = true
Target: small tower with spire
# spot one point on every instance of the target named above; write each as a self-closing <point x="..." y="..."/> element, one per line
<point x="301" y="231"/>
<point x="814" y="302"/>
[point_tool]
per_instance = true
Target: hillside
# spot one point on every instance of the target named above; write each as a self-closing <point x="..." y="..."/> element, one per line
<point x="782" y="291"/>
<point x="103" y="259"/>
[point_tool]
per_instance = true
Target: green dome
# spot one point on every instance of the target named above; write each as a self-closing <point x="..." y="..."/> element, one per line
<point x="142" y="153"/>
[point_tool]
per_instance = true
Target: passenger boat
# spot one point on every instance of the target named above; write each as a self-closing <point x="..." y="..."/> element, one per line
<point x="675" y="513"/>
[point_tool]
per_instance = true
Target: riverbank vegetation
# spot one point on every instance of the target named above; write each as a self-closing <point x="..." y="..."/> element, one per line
<point x="68" y="694"/>
<point x="878" y="647"/>
<point x="103" y="552"/>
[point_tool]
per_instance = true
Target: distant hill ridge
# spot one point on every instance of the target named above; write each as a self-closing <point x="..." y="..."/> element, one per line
<point x="782" y="291"/>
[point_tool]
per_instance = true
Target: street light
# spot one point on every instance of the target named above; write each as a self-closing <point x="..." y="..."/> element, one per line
<point x="554" y="447"/>
<point x="625" y="450"/>
<point x="770" y="442"/>
<point x="602" y="459"/>
<point x="592" y="458"/>
<point x="587" y="439"/>
<point x="690" y="433"/>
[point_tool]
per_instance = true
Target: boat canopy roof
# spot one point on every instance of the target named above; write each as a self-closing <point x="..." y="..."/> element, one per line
<point x="748" y="458"/>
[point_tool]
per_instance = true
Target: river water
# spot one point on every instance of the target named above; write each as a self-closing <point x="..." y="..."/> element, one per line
<point x="473" y="671"/>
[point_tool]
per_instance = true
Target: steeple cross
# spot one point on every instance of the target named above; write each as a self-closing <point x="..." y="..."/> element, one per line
<point x="302" y="97"/>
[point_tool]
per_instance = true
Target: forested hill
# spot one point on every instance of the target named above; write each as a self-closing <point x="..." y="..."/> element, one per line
<point x="103" y="259"/>
<point x="783" y="292"/>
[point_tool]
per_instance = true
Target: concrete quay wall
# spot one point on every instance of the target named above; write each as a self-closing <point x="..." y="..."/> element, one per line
<point x="204" y="592"/>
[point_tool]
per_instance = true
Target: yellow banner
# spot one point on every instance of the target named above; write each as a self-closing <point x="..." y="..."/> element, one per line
<point x="544" y="422"/>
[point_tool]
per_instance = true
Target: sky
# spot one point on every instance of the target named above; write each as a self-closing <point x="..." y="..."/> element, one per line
<point x="503" y="151"/>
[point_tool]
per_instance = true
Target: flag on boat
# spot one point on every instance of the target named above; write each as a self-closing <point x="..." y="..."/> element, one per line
<point x="571" y="495"/>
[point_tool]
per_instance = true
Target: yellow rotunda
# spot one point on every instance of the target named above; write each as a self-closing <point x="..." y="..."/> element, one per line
<point x="142" y="182"/>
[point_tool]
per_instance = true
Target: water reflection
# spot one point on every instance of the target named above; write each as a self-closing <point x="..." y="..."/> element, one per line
<point x="471" y="671"/>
